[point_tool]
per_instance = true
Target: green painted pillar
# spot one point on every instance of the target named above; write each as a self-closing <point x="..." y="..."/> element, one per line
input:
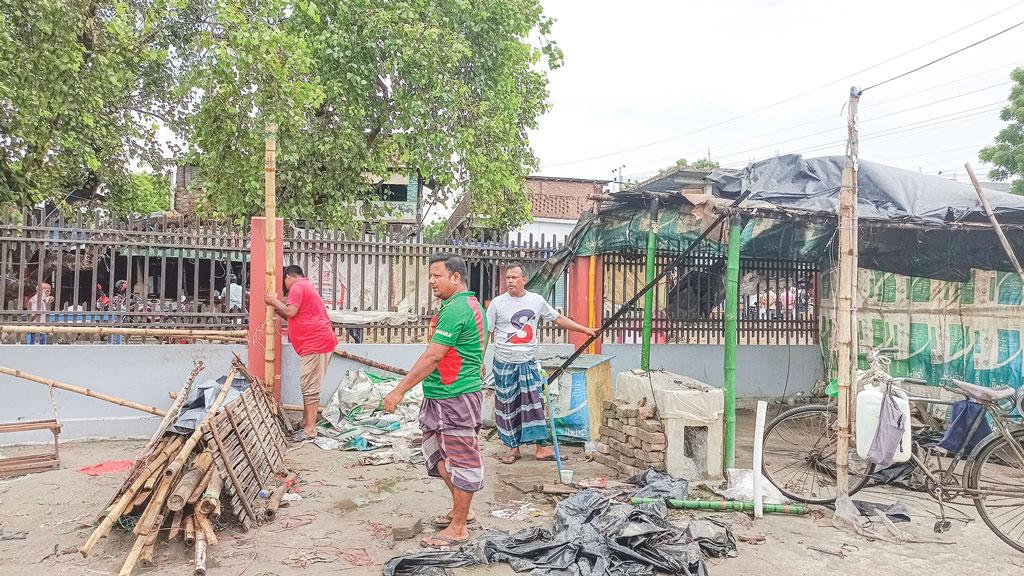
<point x="652" y="254"/>
<point x="732" y="296"/>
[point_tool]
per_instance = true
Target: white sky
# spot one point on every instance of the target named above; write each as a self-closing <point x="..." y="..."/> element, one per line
<point x="642" y="71"/>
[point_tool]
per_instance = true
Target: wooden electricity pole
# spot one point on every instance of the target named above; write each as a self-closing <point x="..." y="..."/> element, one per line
<point x="270" y="233"/>
<point x="846" y="312"/>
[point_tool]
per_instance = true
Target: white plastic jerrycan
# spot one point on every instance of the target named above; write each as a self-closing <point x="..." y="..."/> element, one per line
<point x="869" y="406"/>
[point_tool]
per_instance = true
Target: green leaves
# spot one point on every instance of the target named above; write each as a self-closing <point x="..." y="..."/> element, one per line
<point x="360" y="90"/>
<point x="1007" y="154"/>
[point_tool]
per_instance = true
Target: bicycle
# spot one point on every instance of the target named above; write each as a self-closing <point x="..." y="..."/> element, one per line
<point x="800" y="451"/>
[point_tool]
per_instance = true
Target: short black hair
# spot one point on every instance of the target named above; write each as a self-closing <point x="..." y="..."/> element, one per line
<point x="454" y="264"/>
<point x="516" y="265"/>
<point x="294" y="270"/>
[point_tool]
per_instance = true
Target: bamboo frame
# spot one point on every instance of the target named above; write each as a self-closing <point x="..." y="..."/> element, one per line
<point x="197" y="434"/>
<point x="80" y="390"/>
<point x="239" y="335"/>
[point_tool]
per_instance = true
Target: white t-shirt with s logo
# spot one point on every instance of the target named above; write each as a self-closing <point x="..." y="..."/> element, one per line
<point x="513" y="321"/>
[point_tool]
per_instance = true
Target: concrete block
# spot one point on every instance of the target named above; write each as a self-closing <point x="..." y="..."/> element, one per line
<point x="406" y="529"/>
<point x="627" y="412"/>
<point x="653" y="447"/>
<point x="651" y="437"/>
<point x="651" y="426"/>
<point x="612" y="433"/>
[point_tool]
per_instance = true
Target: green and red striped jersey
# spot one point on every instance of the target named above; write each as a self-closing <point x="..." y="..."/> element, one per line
<point x="461" y="324"/>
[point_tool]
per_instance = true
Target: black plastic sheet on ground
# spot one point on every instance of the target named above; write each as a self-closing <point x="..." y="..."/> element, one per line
<point x="593" y="535"/>
<point x="655" y="484"/>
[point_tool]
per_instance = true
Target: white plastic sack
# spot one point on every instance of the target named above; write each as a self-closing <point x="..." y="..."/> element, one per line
<point x="741" y="488"/>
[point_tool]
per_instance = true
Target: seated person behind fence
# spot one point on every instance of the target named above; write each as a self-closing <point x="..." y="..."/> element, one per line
<point x="232" y="294"/>
<point x="40" y="302"/>
<point x="312" y="335"/>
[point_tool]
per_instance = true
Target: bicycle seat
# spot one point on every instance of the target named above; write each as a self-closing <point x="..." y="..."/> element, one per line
<point x="982" y="394"/>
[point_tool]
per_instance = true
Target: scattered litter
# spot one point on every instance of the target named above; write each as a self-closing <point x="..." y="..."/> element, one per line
<point x="741" y="488"/>
<point x="524" y="511"/>
<point x="593" y="534"/>
<point x="326" y="443"/>
<point x="297" y="521"/>
<point x="4" y="535"/>
<point x="601" y="483"/>
<point x="754" y="539"/>
<point x="291" y="497"/>
<point x="836" y="553"/>
<point x="378" y="458"/>
<point x="659" y="485"/>
<point x="897" y="512"/>
<point x="107" y="467"/>
<point x="379" y="531"/>
<point x="58" y="552"/>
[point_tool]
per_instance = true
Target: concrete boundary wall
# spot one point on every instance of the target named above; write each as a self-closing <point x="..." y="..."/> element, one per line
<point x="146" y="373"/>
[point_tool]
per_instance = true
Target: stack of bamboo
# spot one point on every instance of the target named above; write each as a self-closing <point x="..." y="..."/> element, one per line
<point x="177" y="485"/>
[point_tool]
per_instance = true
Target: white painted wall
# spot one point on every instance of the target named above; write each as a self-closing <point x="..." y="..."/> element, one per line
<point x="549" y="227"/>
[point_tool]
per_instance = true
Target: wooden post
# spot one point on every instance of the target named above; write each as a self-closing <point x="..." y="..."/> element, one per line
<point x="995" y="223"/>
<point x="846" y="313"/>
<point x="270" y="238"/>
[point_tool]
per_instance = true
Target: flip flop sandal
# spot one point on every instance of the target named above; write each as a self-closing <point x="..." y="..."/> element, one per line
<point x="546" y="459"/>
<point x="443" y="521"/>
<point x="445" y="542"/>
<point x="300" y="437"/>
<point x="509" y="458"/>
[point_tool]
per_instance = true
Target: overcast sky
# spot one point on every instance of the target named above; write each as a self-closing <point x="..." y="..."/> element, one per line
<point x="641" y="72"/>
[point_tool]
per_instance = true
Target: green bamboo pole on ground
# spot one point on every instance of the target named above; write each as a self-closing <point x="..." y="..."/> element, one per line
<point x="726" y="505"/>
<point x="732" y="289"/>
<point x="652" y="254"/>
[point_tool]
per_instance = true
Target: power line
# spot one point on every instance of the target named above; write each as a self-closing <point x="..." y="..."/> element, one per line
<point x="790" y="98"/>
<point x="940" y="59"/>
<point x="911" y="109"/>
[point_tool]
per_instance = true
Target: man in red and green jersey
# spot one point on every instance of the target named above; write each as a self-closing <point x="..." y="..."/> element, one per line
<point x="450" y="415"/>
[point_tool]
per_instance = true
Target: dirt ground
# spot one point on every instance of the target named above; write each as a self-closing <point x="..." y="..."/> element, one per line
<point x="344" y="522"/>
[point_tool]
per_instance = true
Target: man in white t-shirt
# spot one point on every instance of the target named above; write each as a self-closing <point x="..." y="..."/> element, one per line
<point x="519" y="387"/>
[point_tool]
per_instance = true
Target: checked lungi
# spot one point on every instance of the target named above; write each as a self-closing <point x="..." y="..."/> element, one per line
<point x="450" y="427"/>
<point x="519" y="404"/>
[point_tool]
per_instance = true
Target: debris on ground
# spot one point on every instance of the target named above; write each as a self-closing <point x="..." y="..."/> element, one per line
<point x="108" y="467"/>
<point x="406" y="529"/>
<point x="593" y="535"/>
<point x="740" y="488"/>
<point x="655" y="484"/>
<point x="524" y="511"/>
<point x="20" y="535"/>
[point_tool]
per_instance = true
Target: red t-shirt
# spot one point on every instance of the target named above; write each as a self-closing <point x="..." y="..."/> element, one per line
<point x="310" y="331"/>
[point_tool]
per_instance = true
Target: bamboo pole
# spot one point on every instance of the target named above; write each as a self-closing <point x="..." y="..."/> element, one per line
<point x="203" y="525"/>
<point x="200" y="542"/>
<point x="120" y="331"/>
<point x="189" y="529"/>
<point x="847" y="306"/>
<point x="185" y="487"/>
<point x="202" y="486"/>
<point x="146" y="558"/>
<point x="371" y="363"/>
<point x="288" y="407"/>
<point x="275" y="497"/>
<point x="210" y="501"/>
<point x="176" y="525"/>
<point x="147" y="526"/>
<point x="197" y="434"/>
<point x="270" y="233"/>
<point x="179" y="401"/>
<point x="995" y="223"/>
<point x="118" y="508"/>
<point x="79" y="390"/>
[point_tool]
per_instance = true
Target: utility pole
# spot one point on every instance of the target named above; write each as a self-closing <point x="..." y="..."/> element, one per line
<point x="846" y="312"/>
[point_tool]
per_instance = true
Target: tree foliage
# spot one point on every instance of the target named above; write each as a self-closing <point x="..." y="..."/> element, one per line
<point x="1007" y="154"/>
<point x="444" y="89"/>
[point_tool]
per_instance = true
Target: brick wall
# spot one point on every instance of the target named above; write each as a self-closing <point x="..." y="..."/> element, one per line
<point x="560" y="199"/>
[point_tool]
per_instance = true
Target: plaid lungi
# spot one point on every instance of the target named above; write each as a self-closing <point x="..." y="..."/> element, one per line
<point x="519" y="404"/>
<point x="450" y="427"/>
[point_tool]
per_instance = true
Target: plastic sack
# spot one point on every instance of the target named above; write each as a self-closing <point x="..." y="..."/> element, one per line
<point x="655" y="484"/>
<point x="962" y="419"/>
<point x="741" y="488"/>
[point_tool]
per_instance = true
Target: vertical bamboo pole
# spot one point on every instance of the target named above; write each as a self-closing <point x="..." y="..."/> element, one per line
<point x="846" y="310"/>
<point x="270" y="234"/>
<point x="652" y="254"/>
<point x="732" y="289"/>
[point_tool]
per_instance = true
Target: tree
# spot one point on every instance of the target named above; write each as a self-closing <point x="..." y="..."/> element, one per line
<point x="1007" y="154"/>
<point x="358" y="89"/>
<point x="84" y="86"/>
<point x="681" y="164"/>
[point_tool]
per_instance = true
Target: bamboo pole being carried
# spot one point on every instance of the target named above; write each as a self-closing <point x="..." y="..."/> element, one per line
<point x="79" y="390"/>
<point x="120" y="331"/>
<point x="371" y="363"/>
<point x="270" y="233"/>
<point x="197" y="434"/>
<point x="119" y="507"/>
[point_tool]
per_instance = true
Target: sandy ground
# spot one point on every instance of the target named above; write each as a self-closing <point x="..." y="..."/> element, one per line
<point x="345" y="518"/>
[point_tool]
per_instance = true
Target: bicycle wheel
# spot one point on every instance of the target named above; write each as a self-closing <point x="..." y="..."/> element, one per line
<point x="800" y="455"/>
<point x="998" y="467"/>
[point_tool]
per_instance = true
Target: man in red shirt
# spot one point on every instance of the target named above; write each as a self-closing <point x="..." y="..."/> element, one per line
<point x="312" y="335"/>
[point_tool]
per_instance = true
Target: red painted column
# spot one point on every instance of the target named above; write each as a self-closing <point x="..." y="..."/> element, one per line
<point x="257" y="309"/>
<point x="579" y="302"/>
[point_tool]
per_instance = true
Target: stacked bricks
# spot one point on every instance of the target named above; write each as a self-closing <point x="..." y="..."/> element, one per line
<point x="632" y="438"/>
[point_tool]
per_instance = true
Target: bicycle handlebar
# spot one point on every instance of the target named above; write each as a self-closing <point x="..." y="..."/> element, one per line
<point x="911" y="381"/>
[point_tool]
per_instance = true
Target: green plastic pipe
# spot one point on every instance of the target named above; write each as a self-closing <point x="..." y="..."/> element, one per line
<point x="732" y="296"/>
<point x="652" y="254"/>
<point x="726" y="505"/>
